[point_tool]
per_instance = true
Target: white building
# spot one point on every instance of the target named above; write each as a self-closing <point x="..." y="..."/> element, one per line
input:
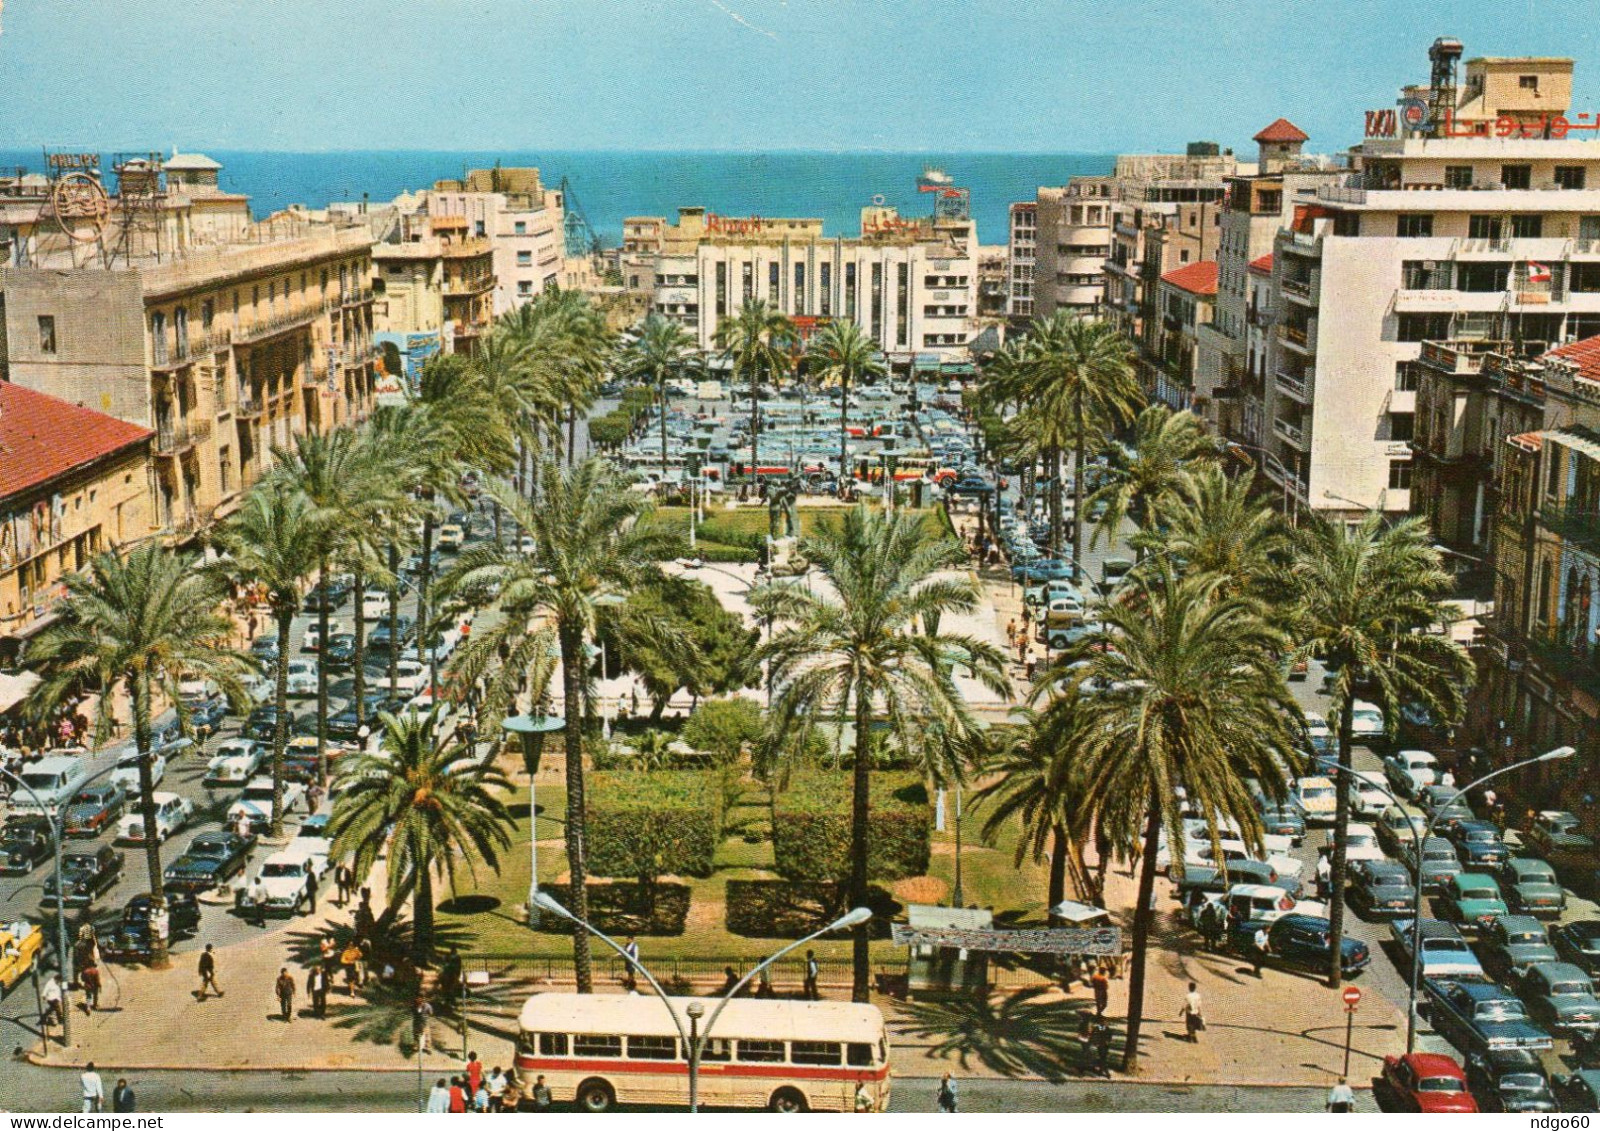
<point x="522" y="219"/>
<point x="1020" y="249"/>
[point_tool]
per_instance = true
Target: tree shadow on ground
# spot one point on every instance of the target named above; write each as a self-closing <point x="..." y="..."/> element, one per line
<point x="1020" y="1034"/>
<point x="791" y="909"/>
<point x="625" y="908"/>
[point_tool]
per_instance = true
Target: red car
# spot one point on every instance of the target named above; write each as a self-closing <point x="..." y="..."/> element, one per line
<point x="1428" y="1083"/>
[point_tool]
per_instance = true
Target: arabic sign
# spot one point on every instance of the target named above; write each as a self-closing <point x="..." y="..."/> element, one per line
<point x="80" y="205"/>
<point x="1058" y="940"/>
<point x="1551" y="126"/>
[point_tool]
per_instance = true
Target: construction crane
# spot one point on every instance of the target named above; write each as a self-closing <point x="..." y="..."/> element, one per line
<point x="581" y="238"/>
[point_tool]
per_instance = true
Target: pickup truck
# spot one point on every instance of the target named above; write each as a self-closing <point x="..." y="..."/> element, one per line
<point x="1475" y="1013"/>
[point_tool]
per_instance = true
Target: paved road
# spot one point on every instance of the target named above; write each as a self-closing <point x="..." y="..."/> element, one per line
<point x="26" y="1088"/>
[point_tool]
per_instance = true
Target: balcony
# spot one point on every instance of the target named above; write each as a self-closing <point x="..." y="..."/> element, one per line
<point x="1582" y="528"/>
<point x="1297" y="387"/>
<point x="1297" y="338"/>
<point x="1566" y="662"/>
<point x="1298" y="289"/>
<point x="259" y="330"/>
<point x="1465" y="357"/>
<point x="466" y="288"/>
<point x="356" y="297"/>
<point x="177" y="438"/>
<point x="1290" y="433"/>
<point x="247" y="406"/>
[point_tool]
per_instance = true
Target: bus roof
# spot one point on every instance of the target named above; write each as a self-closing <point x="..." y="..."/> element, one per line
<point x="642" y="1015"/>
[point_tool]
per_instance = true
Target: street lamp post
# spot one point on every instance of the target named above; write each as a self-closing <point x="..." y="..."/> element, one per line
<point x="531" y="729"/>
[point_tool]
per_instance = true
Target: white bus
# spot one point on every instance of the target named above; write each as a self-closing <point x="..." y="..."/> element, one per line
<point x="599" y="1050"/>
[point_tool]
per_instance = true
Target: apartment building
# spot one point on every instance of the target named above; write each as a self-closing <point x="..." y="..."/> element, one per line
<point x="73" y="482"/>
<point x="911" y="283"/>
<point x="433" y="278"/>
<point x="1186" y="297"/>
<point x="1072" y="238"/>
<point x="1021" y="246"/>
<point x="524" y="222"/>
<point x="223" y="338"/>
<point x="1460" y="226"/>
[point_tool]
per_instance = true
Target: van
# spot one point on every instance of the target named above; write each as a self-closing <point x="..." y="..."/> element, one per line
<point x="51" y="783"/>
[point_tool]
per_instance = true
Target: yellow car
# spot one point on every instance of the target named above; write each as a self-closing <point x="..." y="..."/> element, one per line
<point x="1316" y="798"/>
<point x="20" y="944"/>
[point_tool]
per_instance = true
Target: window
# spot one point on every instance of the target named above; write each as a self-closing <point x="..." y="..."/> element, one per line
<point x="799" y="288"/>
<point x="1420" y="327"/>
<point x="1516" y="176"/>
<point x="761" y="1052"/>
<point x="858" y="1054"/>
<point x="553" y="1044"/>
<point x="815" y="1052"/>
<point x="653" y="1048"/>
<point x="1482" y="277"/>
<point x="1458" y="176"/>
<point x="1347" y="224"/>
<point x="1405" y="376"/>
<point x="224" y="468"/>
<point x="1528" y="82"/>
<point x="520" y="228"/>
<point x="524" y="259"/>
<point x="722" y="288"/>
<point x="773" y="271"/>
<point x="850" y="287"/>
<point x="1483" y="227"/>
<point x="1414" y="225"/>
<point x="717" y="1049"/>
<point x="47" y="333"/>
<point x="825" y="285"/>
<point x="1527" y="227"/>
<point x="747" y="281"/>
<point x="478" y="228"/>
<point x="1402" y="425"/>
<point x="208" y="313"/>
<point x="158" y="337"/>
<point x="1569" y="176"/>
<point x="596" y="1044"/>
<point x="525" y="287"/>
<point x="1399" y="475"/>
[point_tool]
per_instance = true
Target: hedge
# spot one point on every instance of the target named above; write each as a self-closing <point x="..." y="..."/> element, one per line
<point x="647" y="824"/>
<point x="811" y="826"/>
<point x="792" y="909"/>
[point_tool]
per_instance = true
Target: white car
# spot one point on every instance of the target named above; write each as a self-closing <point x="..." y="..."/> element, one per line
<point x="235" y="763"/>
<point x="312" y="641"/>
<point x="525" y="545"/>
<point x="127" y="772"/>
<point x="1362" y="843"/>
<point x="302" y="678"/>
<point x="451" y="536"/>
<point x="1411" y="771"/>
<point x="312" y="840"/>
<point x="255" y="802"/>
<point x="1317" y="799"/>
<point x="442" y="648"/>
<point x="1371" y="795"/>
<point x="1366" y="721"/>
<point x="258" y="688"/>
<point x="374" y="604"/>
<point x="172" y="813"/>
<point x="1288" y="866"/>
<point x="285" y="877"/>
<point x="411" y="676"/>
<point x="193" y="689"/>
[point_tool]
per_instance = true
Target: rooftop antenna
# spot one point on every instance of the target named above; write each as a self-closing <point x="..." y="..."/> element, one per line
<point x="1443" y="56"/>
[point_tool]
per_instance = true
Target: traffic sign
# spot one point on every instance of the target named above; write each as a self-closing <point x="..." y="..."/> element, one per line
<point x="1352" y="996"/>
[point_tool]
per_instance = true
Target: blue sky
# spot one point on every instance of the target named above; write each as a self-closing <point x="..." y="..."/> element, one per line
<point x="732" y="74"/>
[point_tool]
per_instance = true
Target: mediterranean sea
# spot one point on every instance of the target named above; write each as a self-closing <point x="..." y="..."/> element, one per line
<point x="609" y="186"/>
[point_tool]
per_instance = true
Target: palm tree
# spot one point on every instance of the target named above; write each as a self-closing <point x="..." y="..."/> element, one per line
<point x="657" y="354"/>
<point x="1367" y="598"/>
<point x="143" y="620"/>
<point x="843" y="354"/>
<point x="1187" y="693"/>
<point x="591" y="548"/>
<point x="1139" y="476"/>
<point x="1217" y="525"/>
<point x="425" y="804"/>
<point x="275" y="540"/>
<point x="857" y="648"/>
<point x="756" y="341"/>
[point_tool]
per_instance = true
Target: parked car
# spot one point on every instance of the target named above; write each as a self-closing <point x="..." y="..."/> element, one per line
<point x="1438" y="866"/>
<point x="1320" y="736"/>
<point x="1578" y="1092"/>
<point x="1361" y="843"/>
<point x="255" y="803"/>
<point x="1555" y="835"/>
<point x="1579" y="944"/>
<point x="127" y="772"/>
<point x="1478" y="844"/>
<point x="1399" y="826"/>
<point x="94" y="809"/>
<point x="311" y="641"/>
<point x="262" y="723"/>
<point x="1370" y="794"/>
<point x="1471" y="900"/>
<point x="451" y="537"/>
<point x="265" y="650"/>
<point x="128" y="939"/>
<point x="1509" y="1080"/>
<point x="21" y="944"/>
<point x="1427" y="1082"/>
<point x="286" y="878"/>
<point x="1410" y="771"/>
<point x="312" y="840"/>
<point x="302" y="682"/>
<point x="234" y="763"/>
<point x="1561" y="996"/>
<point x="1513" y="943"/>
<point x="1283" y="820"/>
<point x="1444" y="952"/>
<point x="1476" y="1014"/>
<point x="1316" y="798"/>
<point x="1366" y="722"/>
<point x="211" y="859"/>
<point x="1381" y="889"/>
<point x="340" y="652"/>
<point x="410" y="677"/>
<point x="1301" y="942"/>
<point x="330" y="597"/>
<point x="1530" y="886"/>
<point x="172" y="813"/>
<point x="24" y="843"/>
<point x="85" y="876"/>
<point x="374" y="604"/>
<point x="380" y="638"/>
<point x="206" y="716"/>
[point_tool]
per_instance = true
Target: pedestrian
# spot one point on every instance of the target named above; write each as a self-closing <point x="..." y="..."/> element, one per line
<point x="1100" y="1044"/>
<point x="419" y="1025"/>
<point x="242" y="829"/>
<point x="345" y="880"/>
<point x="329" y="951"/>
<point x="122" y="1097"/>
<point x="207" y="969"/>
<point x="311" y="891"/>
<point x="1447" y="779"/>
<point x="480" y="1098"/>
<point x="1100" y="982"/>
<point x="458" y="1097"/>
<point x="1341" y="1098"/>
<point x="1011" y="632"/>
<point x="730" y="981"/>
<point x="93" y="1088"/>
<point x="50" y="994"/>
<point x="1261" y="948"/>
<point x="863" y="1101"/>
<point x="1213" y="923"/>
<point x="317" y="990"/>
<point x="497" y="1089"/>
<point x="364" y="963"/>
<point x="541" y="1095"/>
<point x="1324" y="874"/>
<point x="1489" y="799"/>
<point x="350" y="959"/>
<point x="947" y="1094"/>
<point x="256" y="897"/>
<point x="630" y="952"/>
<point x="285" y="991"/>
<point x="439" y="1098"/>
<point x="89" y="979"/>
<point x="812" y="973"/>
<point x="764" y="985"/>
<point x="474" y="1072"/>
<point x="1193" y="1019"/>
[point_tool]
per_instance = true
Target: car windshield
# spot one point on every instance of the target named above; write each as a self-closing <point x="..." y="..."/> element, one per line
<point x="1502" y="1011"/>
<point x="1440" y="1084"/>
<point x="1389" y="880"/>
<point x="281" y="870"/>
<point x="260" y="794"/>
<point x="78" y="864"/>
<point x="1316" y="792"/>
<point x="1479" y="893"/>
<point x="1574" y="988"/>
<point x="1523" y="1082"/>
<point x="1438" y="854"/>
<point x="1455" y="946"/>
<point x="208" y="848"/>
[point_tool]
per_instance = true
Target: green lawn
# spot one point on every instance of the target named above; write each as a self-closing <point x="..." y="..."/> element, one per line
<point x="733" y="530"/>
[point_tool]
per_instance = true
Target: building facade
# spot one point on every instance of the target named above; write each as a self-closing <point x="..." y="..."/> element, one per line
<point x="1186" y="298"/>
<point x="432" y="277"/>
<point x="1072" y="238"/>
<point x="1021" y="248"/>
<point x="523" y="221"/>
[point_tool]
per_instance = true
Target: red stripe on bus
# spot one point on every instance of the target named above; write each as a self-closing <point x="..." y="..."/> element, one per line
<point x="619" y="1066"/>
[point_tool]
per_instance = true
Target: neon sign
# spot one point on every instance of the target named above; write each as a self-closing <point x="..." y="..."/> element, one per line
<point x="733" y="226"/>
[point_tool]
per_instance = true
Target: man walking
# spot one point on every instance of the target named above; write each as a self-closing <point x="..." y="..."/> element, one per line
<point x="1341" y="1098"/>
<point x="439" y="1098"/>
<point x="285" y="989"/>
<point x="122" y="1097"/>
<point x="344" y="879"/>
<point x="813" y="971"/>
<point x="256" y="897"/>
<point x="311" y="891"/>
<point x="1099" y="1036"/>
<point x="317" y="987"/>
<point x="1193" y="1019"/>
<point x="947" y="1094"/>
<point x="1100" y="982"/>
<point x="541" y="1095"/>
<point x="94" y="1089"/>
<point x="54" y="1013"/>
<point x="89" y="979"/>
<point x="631" y="953"/>
<point x="208" y="973"/>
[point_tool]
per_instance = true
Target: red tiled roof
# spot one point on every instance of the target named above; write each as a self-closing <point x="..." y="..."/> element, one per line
<point x="1527" y="441"/>
<point x="1196" y="278"/>
<point x="42" y="438"/>
<point x="1583" y="355"/>
<point x="1263" y="265"/>
<point x="1282" y="130"/>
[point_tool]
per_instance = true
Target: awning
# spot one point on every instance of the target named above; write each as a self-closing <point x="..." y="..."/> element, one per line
<point x="15" y="688"/>
<point x="1579" y="440"/>
<point x="1096" y="940"/>
<point x="1074" y="912"/>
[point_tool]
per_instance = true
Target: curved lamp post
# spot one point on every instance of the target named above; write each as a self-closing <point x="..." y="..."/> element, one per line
<point x="531" y="729"/>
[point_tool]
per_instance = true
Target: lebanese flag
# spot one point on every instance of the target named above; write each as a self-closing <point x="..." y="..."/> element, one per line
<point x="1538" y="272"/>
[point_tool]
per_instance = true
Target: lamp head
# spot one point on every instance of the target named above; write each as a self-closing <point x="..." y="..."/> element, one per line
<point x="853" y="918"/>
<point x="546" y="902"/>
<point x="695" y="1010"/>
<point x="1557" y="754"/>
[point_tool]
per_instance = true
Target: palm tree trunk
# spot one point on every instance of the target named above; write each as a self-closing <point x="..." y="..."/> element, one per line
<point x="139" y="689"/>
<point x="394" y="620"/>
<point x="755" y="431"/>
<point x="861" y="783"/>
<point x="844" y="431"/>
<point x="572" y="435"/>
<point x="359" y="676"/>
<point x="1058" y="866"/>
<point x="577" y="861"/>
<point x="1080" y="443"/>
<point x="1142" y="915"/>
<point x="663" y="387"/>
<point x="322" y="674"/>
<point x="1055" y="502"/>
<point x="422" y="916"/>
<point x="1341" y="837"/>
<point x="280" y="731"/>
<point x="424" y="625"/>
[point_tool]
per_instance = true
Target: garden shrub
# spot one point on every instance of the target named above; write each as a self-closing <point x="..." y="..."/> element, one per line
<point x="642" y="825"/>
<point x="811" y="826"/>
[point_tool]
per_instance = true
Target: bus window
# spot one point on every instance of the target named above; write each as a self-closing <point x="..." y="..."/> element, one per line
<point x="859" y="1054"/>
<point x="761" y="1052"/>
<point x="653" y="1048"/>
<point x="815" y="1052"/>
<point x="596" y="1044"/>
<point x="553" y="1044"/>
<point x="717" y="1049"/>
